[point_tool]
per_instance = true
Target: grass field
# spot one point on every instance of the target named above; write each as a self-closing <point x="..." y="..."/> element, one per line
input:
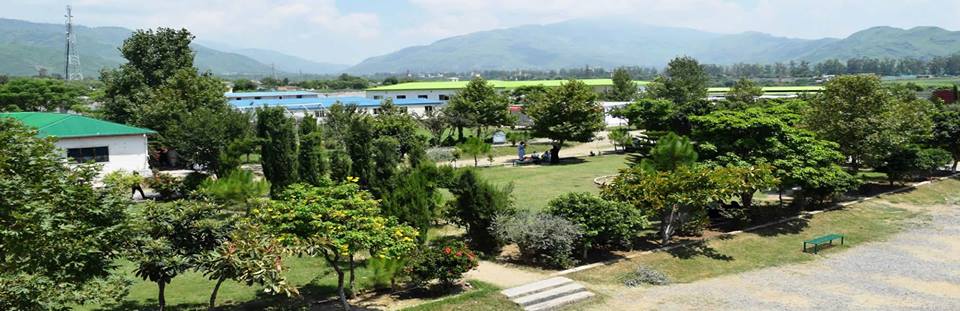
<point x="483" y="297"/>
<point x="535" y="185"/>
<point x="779" y="244"/>
<point x="932" y="82"/>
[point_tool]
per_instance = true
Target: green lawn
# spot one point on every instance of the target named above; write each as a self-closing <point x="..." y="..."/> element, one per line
<point x="780" y="244"/>
<point x="535" y="185"/>
<point x="932" y="82"/>
<point x="483" y="296"/>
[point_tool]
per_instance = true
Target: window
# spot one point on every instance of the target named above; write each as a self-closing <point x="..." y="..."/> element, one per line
<point x="444" y="97"/>
<point x="84" y="155"/>
<point x="299" y="96"/>
<point x="401" y="96"/>
<point x="427" y="108"/>
<point x="376" y="111"/>
<point x="422" y="96"/>
<point x="238" y="98"/>
<point x="258" y="97"/>
<point x="377" y="97"/>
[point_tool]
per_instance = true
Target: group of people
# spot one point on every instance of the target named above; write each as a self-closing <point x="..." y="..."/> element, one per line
<point x="522" y="155"/>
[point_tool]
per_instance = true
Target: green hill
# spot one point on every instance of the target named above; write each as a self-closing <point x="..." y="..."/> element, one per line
<point x="25" y="47"/>
<point x="609" y="43"/>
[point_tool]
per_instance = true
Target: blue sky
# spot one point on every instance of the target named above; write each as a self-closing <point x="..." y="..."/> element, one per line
<point x="348" y="31"/>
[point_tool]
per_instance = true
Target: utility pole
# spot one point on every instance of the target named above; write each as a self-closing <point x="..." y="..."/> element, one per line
<point x="72" y="69"/>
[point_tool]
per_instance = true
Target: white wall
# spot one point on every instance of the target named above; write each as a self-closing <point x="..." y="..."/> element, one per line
<point x="127" y="153"/>
<point x="431" y="94"/>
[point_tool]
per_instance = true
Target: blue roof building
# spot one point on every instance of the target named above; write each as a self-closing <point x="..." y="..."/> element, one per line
<point x="303" y="102"/>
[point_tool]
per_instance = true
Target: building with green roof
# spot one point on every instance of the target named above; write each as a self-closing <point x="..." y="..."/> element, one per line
<point x="84" y="139"/>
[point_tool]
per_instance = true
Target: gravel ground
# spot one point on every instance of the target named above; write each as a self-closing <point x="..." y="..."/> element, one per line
<point x="918" y="269"/>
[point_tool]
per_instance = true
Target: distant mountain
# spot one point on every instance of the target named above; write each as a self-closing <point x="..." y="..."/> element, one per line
<point x="290" y="63"/>
<point x="27" y="46"/>
<point x="610" y="43"/>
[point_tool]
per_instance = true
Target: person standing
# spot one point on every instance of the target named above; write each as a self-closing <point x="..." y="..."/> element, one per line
<point x="521" y="150"/>
<point x="134" y="187"/>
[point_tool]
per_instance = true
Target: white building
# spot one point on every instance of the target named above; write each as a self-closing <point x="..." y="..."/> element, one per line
<point x="299" y="103"/>
<point x="443" y="90"/>
<point x="83" y="139"/>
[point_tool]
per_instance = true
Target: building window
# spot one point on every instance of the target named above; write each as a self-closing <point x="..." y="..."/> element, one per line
<point x="376" y="111"/>
<point x="422" y="96"/>
<point x="299" y="96"/>
<point x="84" y="155"/>
<point x="401" y="96"/>
<point x="377" y="97"/>
<point x="238" y="98"/>
<point x="427" y="108"/>
<point x="258" y="97"/>
<point x="444" y="97"/>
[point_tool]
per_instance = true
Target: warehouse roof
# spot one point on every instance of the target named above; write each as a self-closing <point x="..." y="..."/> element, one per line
<point x="452" y="85"/>
<point x="325" y="102"/>
<point x="71" y="125"/>
<point x="775" y="89"/>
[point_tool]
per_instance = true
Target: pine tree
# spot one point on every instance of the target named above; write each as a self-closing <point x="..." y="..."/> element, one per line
<point x="312" y="166"/>
<point x="278" y="148"/>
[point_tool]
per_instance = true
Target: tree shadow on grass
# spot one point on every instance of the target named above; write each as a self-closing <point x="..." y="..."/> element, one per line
<point x="792" y="226"/>
<point x="699" y="248"/>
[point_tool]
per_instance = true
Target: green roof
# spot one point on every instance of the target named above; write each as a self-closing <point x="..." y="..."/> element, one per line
<point x="775" y="89"/>
<point x="500" y="84"/>
<point x="70" y="125"/>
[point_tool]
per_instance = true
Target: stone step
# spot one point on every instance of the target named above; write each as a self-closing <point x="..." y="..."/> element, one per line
<point x="560" y="301"/>
<point x="550" y="294"/>
<point x="535" y="287"/>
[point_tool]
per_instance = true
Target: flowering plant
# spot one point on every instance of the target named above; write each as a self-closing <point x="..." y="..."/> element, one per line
<point x="446" y="262"/>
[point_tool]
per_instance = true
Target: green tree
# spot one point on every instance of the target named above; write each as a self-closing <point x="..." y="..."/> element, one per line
<point x="60" y="237"/>
<point x="312" y="162"/>
<point x="241" y="85"/>
<point x="386" y="159"/>
<point x="744" y="91"/>
<point x="624" y="89"/>
<point x="482" y="105"/>
<point x="435" y="122"/>
<point x="336" y="223"/>
<point x="620" y="136"/>
<point x="158" y="54"/>
<point x="170" y="238"/>
<point x="683" y="81"/>
<point x="475" y="147"/>
<point x="415" y="198"/>
<point x="477" y="204"/>
<point x="32" y="94"/>
<point x="913" y="161"/>
<point x="250" y="257"/>
<point x="567" y="113"/>
<point x="603" y="223"/>
<point x="239" y="188"/>
<point x="672" y="151"/>
<point x="946" y="131"/>
<point x="278" y="148"/>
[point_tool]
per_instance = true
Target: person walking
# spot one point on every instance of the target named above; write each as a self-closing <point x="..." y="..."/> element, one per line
<point x="136" y="187"/>
<point x="521" y="150"/>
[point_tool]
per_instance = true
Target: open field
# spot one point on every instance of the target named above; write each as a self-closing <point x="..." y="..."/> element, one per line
<point x="535" y="185"/>
<point x="932" y="82"/>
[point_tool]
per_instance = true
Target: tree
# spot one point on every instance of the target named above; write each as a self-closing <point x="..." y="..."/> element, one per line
<point x="866" y="119"/>
<point x="336" y="222"/>
<point x="946" y="131"/>
<point x="386" y="159"/>
<point x="435" y="122"/>
<point x="672" y="151"/>
<point x="29" y="94"/>
<point x="744" y="91"/>
<point x="603" y="223"/>
<point x="477" y="204"/>
<point x="158" y="54"/>
<point x="238" y="188"/>
<point x="567" y="113"/>
<point x="312" y="162"/>
<point x="482" y="105"/>
<point x="624" y="89"/>
<point x="278" y="148"/>
<point x="683" y="81"/>
<point x="171" y="237"/>
<point x="913" y="161"/>
<point x="248" y="256"/>
<point x="240" y="85"/>
<point x="415" y="197"/>
<point x="620" y="136"/>
<point x="475" y="147"/>
<point x="60" y="237"/>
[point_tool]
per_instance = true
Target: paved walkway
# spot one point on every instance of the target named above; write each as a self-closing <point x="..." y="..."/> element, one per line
<point x="600" y="144"/>
<point x="504" y="276"/>
<point x="918" y="269"/>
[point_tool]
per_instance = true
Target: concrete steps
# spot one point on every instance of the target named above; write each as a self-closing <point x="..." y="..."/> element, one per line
<point x="549" y="294"/>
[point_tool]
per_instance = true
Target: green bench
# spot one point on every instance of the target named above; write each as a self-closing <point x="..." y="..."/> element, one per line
<point x="820" y="241"/>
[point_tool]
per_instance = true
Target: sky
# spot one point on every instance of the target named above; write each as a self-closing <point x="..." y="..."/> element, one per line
<point x="348" y="31"/>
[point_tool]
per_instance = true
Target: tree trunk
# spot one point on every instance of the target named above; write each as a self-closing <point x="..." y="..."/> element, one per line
<point x="333" y="263"/>
<point x="746" y="199"/>
<point x="353" y="265"/>
<point x="213" y="296"/>
<point x="459" y="133"/>
<point x="780" y="194"/>
<point x="667" y="225"/>
<point x="160" y="298"/>
<point x="555" y="153"/>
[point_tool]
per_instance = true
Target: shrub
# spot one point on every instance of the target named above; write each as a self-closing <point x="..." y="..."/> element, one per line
<point x="645" y="275"/>
<point x="603" y="223"/>
<point x="164" y="184"/>
<point x="441" y="154"/>
<point x="543" y="239"/>
<point x="445" y="262"/>
<point x="478" y="203"/>
<point x="192" y="182"/>
<point x="121" y="181"/>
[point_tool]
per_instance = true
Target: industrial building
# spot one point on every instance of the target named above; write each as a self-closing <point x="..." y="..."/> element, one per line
<point x="444" y="90"/>
<point x="300" y="103"/>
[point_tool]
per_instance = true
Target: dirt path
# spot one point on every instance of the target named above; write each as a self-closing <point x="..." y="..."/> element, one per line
<point x="504" y="276"/>
<point x="918" y="269"/>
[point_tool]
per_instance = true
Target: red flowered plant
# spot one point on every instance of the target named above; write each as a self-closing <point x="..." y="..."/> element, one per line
<point x="445" y="262"/>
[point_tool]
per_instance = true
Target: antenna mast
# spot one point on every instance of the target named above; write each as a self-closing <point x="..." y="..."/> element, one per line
<point x="72" y="69"/>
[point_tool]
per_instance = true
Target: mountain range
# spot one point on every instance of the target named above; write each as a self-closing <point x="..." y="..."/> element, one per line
<point x="26" y="47"/>
<point x="611" y="43"/>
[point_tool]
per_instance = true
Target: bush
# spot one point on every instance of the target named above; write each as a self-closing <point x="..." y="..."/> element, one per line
<point x="913" y="162"/>
<point x="121" y="181"/>
<point x="603" y="223"/>
<point x="192" y="182"/>
<point x="441" y="154"/>
<point x="445" y="262"/>
<point x="543" y="239"/>
<point x="478" y="203"/>
<point x="645" y="275"/>
<point x="164" y="184"/>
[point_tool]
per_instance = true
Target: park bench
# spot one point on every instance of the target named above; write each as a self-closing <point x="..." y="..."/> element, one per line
<point x="820" y="241"/>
